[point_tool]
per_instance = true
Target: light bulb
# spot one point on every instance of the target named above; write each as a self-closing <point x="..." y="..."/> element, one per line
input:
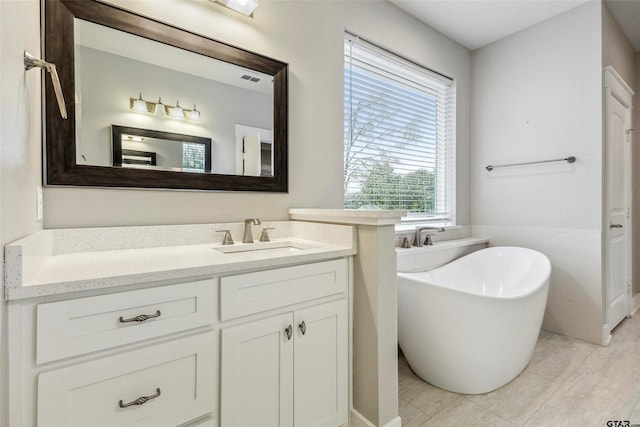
<point x="139" y="105"/>
<point x="160" y="108"/>
<point x="194" y="116"/>
<point x="178" y="113"/>
<point x="246" y="7"/>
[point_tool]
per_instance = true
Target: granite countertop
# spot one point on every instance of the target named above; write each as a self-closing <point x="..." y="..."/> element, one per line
<point x="62" y="261"/>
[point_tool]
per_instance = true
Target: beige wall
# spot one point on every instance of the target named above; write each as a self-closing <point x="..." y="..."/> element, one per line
<point x="309" y="36"/>
<point x="617" y="50"/>
<point x="19" y="144"/>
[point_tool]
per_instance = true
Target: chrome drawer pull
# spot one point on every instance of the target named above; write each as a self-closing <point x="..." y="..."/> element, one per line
<point x="140" y="401"/>
<point x="289" y="331"/>
<point x="303" y="327"/>
<point x="140" y="318"/>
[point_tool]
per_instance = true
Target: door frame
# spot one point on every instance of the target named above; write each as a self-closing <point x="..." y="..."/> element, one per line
<point x="615" y="86"/>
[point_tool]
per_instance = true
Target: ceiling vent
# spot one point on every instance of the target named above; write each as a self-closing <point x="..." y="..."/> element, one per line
<point x="250" y="78"/>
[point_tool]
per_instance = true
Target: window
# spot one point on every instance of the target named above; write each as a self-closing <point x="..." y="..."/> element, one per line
<point x="193" y="157"/>
<point x="399" y="135"/>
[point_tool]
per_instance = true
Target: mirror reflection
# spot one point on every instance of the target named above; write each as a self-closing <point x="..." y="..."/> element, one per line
<point x="123" y="69"/>
<point x="127" y="84"/>
<point x="149" y="149"/>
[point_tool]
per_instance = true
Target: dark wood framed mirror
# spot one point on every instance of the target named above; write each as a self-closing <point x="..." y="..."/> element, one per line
<point x="78" y="152"/>
<point x="152" y="149"/>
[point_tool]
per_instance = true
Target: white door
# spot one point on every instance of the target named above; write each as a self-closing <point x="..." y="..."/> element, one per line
<point x="252" y="155"/>
<point x="618" y="100"/>
<point x="320" y="369"/>
<point x="257" y="374"/>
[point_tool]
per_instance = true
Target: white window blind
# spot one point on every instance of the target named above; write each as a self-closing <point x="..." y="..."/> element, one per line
<point x="399" y="124"/>
<point x="193" y="157"/>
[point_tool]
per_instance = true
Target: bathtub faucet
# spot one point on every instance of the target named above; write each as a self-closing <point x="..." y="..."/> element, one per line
<point x="417" y="240"/>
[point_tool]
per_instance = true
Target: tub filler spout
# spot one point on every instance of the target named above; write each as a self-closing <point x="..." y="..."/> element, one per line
<point x="417" y="240"/>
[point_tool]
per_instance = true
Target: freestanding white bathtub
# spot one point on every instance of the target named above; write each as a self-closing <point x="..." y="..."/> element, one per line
<point x="471" y="325"/>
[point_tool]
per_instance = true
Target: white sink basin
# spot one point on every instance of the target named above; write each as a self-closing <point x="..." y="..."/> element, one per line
<point x="263" y="248"/>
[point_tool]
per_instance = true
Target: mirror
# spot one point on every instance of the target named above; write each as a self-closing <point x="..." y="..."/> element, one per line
<point x="132" y="77"/>
<point x="151" y="149"/>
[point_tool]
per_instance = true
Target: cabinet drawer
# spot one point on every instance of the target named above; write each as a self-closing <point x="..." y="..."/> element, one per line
<point x="180" y="373"/>
<point x="73" y="327"/>
<point x="250" y="293"/>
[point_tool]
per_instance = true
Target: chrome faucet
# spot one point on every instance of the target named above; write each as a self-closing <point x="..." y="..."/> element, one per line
<point x="417" y="240"/>
<point x="248" y="236"/>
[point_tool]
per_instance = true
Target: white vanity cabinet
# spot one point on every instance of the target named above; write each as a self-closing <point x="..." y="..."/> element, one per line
<point x="275" y="375"/>
<point x="264" y="348"/>
<point x="291" y="368"/>
<point x="144" y="357"/>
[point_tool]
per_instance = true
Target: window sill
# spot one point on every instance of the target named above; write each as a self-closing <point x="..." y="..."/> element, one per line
<point x="406" y="227"/>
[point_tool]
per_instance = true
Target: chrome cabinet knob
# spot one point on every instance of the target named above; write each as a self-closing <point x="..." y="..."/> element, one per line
<point x="303" y="327"/>
<point x="289" y="331"/>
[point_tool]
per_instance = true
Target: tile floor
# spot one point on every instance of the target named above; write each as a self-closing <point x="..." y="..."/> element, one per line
<point x="567" y="383"/>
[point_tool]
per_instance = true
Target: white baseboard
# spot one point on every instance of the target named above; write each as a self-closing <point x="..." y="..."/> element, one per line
<point x="635" y="304"/>
<point x="396" y="422"/>
<point x="359" y="420"/>
<point x="606" y="336"/>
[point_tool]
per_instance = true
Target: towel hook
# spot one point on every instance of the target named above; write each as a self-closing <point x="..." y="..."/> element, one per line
<point x="31" y="62"/>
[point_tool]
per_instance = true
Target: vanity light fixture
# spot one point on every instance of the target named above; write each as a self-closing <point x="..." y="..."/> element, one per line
<point x="139" y="105"/>
<point x="246" y="7"/>
<point x="159" y="109"/>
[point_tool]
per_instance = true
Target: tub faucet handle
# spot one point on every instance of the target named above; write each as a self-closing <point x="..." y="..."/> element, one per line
<point x="405" y="243"/>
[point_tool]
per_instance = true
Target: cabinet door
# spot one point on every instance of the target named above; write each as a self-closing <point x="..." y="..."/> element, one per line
<point x="321" y="365"/>
<point x="257" y="374"/>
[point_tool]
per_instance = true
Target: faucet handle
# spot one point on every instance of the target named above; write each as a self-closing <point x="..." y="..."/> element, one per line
<point x="227" y="239"/>
<point x="264" y="236"/>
